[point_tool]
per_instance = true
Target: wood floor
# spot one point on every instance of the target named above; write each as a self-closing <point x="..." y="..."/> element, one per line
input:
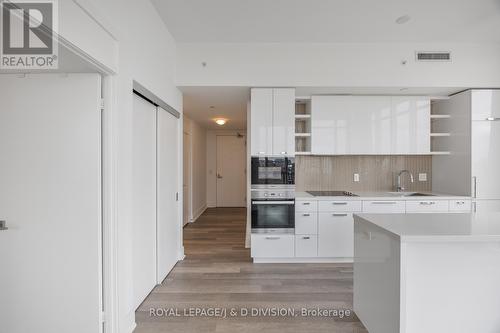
<point x="218" y="273"/>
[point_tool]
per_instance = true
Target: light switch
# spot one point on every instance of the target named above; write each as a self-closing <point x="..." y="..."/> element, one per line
<point x="422" y="177"/>
<point x="356" y="177"/>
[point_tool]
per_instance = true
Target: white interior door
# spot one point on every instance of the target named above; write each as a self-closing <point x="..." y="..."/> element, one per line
<point x="186" y="186"/>
<point x="50" y="196"/>
<point x="231" y="164"/>
<point x="144" y="198"/>
<point x="168" y="225"/>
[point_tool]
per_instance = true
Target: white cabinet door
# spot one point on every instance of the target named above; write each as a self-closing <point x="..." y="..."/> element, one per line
<point x="427" y="206"/>
<point x="306" y="223"/>
<point x="485" y="104"/>
<point x="460" y="206"/>
<point x="272" y="246"/>
<point x="486" y="206"/>
<point x="339" y="206"/>
<point x="283" y="121"/>
<point x="261" y="121"/>
<point x="306" y="206"/>
<point x="335" y="235"/>
<point x="411" y="125"/>
<point x="384" y="206"/>
<point x="486" y="159"/>
<point x="306" y="246"/>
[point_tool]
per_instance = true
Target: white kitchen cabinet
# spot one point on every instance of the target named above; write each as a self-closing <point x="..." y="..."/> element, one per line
<point x="272" y="121"/>
<point x="273" y="246"/>
<point x="411" y="125"/>
<point x="427" y="206"/>
<point x="283" y="142"/>
<point x="485" y="104"/>
<point x="306" y="246"/>
<point x="460" y="206"/>
<point x="335" y="235"/>
<point x="384" y="206"/>
<point x="306" y="223"/>
<point x="261" y="121"/>
<point x="486" y="206"/>
<point x="306" y="205"/>
<point x="370" y="125"/>
<point x="339" y="206"/>
<point x="485" y="161"/>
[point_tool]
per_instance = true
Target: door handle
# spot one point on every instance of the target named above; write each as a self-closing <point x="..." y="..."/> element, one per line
<point x="474" y="191"/>
<point x="3" y="225"/>
<point x="219" y="176"/>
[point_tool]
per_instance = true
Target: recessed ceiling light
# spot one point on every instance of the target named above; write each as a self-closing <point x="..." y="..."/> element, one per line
<point x="220" y="121"/>
<point x="403" y="19"/>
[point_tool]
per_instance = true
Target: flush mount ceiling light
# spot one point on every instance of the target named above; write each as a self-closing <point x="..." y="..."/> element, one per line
<point x="403" y="19"/>
<point x="220" y="121"/>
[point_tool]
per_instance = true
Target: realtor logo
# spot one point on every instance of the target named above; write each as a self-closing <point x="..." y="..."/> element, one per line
<point x="29" y="33"/>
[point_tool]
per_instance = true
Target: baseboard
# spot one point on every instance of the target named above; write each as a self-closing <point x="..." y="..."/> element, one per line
<point x="301" y="260"/>
<point x="198" y="213"/>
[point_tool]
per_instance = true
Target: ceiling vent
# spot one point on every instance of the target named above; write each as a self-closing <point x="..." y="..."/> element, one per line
<point x="433" y="56"/>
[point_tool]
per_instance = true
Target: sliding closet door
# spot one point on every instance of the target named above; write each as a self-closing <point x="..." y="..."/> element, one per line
<point x="168" y="226"/>
<point x="144" y="198"/>
<point x="50" y="196"/>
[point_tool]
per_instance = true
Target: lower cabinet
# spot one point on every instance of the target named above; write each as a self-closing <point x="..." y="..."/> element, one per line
<point x="273" y="246"/>
<point x="384" y="206"/>
<point x="427" y="206"/>
<point x="335" y="235"/>
<point x="306" y="246"/>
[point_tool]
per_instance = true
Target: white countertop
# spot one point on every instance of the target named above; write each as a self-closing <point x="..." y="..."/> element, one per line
<point x="437" y="227"/>
<point x="381" y="196"/>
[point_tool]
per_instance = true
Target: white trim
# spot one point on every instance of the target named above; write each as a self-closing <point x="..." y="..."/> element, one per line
<point x="180" y="189"/>
<point x="198" y="213"/>
<point x="301" y="260"/>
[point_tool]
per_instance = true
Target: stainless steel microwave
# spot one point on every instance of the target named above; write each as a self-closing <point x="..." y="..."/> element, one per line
<point x="273" y="171"/>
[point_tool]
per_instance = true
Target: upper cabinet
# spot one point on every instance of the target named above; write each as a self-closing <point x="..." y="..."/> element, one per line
<point x="272" y="121"/>
<point x="370" y="125"/>
<point x="485" y="104"/>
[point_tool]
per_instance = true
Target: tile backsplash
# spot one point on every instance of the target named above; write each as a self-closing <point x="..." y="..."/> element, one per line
<point x="376" y="172"/>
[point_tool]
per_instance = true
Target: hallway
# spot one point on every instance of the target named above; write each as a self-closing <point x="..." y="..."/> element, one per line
<point x="218" y="273"/>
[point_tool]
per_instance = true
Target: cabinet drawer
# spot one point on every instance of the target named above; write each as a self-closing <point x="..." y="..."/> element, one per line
<point x="306" y="246"/>
<point x="427" y="206"/>
<point x="339" y="206"/>
<point x="460" y="206"/>
<point x="384" y="207"/>
<point x="306" y="205"/>
<point x="335" y="235"/>
<point x="273" y="246"/>
<point x="306" y="223"/>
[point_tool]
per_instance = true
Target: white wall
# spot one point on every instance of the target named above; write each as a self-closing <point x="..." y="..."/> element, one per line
<point x="211" y="143"/>
<point x="199" y="166"/>
<point x="147" y="54"/>
<point x="336" y="65"/>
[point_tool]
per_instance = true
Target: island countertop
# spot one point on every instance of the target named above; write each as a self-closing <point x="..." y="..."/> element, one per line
<point x="437" y="227"/>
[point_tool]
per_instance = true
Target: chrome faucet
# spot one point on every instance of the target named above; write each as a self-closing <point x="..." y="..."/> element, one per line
<point x="400" y="188"/>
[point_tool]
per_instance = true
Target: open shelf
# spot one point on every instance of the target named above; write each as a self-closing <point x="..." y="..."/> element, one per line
<point x="302" y="134"/>
<point x="303" y="127"/>
<point x="440" y="116"/>
<point x="440" y="153"/>
<point x="302" y="116"/>
<point x="439" y="134"/>
<point x="302" y="153"/>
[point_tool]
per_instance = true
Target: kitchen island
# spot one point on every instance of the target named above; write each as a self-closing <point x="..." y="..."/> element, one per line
<point x="417" y="273"/>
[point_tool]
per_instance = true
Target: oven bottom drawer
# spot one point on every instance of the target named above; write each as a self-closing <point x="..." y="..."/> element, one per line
<point x="273" y="246"/>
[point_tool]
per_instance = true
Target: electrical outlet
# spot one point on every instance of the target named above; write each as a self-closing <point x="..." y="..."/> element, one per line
<point x="356" y="177"/>
<point x="422" y="177"/>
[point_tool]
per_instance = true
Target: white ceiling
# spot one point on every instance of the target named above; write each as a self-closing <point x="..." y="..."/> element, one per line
<point x="228" y="102"/>
<point x="231" y="102"/>
<point x="331" y="21"/>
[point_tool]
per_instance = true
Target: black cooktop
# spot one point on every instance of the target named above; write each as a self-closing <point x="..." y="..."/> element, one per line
<point x="332" y="193"/>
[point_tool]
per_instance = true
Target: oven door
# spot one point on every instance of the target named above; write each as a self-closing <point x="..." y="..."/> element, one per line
<point x="270" y="216"/>
<point x="273" y="171"/>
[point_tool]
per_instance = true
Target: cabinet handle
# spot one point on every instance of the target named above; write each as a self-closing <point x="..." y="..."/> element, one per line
<point x="273" y="238"/>
<point x="474" y="180"/>
<point x="339" y="203"/>
<point x="338" y="215"/>
<point x="306" y="237"/>
<point x="306" y="203"/>
<point x="262" y="152"/>
<point x="306" y="214"/>
<point x="283" y="153"/>
<point x="460" y="202"/>
<point x="384" y="202"/>
<point x="427" y="203"/>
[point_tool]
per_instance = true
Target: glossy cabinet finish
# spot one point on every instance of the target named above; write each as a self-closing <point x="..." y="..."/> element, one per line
<point x="339" y="206"/>
<point x="335" y="235"/>
<point x="283" y="142"/>
<point x="460" y="206"/>
<point x="306" y="223"/>
<point x="427" y="206"/>
<point x="370" y="125"/>
<point x="485" y="104"/>
<point x="273" y="246"/>
<point x="306" y="246"/>
<point x="384" y="206"/>
<point x="261" y="121"/>
<point x="306" y="205"/>
<point x="272" y="121"/>
<point x="485" y="161"/>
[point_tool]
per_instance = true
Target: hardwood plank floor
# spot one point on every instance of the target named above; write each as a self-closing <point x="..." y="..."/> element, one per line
<point x="218" y="273"/>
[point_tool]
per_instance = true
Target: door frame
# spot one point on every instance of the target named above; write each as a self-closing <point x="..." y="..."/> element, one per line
<point x="189" y="172"/>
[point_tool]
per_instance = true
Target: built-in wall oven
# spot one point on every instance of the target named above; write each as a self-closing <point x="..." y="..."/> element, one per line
<point x="273" y="210"/>
<point x="273" y="172"/>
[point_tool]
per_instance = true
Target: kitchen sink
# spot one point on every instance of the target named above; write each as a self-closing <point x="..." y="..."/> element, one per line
<point x="411" y="194"/>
